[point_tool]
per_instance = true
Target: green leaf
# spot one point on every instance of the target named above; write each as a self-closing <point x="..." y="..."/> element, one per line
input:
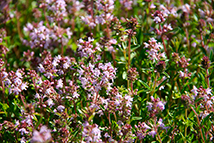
<point x="191" y="114"/>
<point x="2" y="112"/>
<point x="38" y="123"/>
<point x="5" y="107"/>
<point x="162" y="83"/>
<point x="144" y="84"/>
<point x="199" y="99"/>
<point x="166" y="74"/>
<point x="75" y="133"/>
<point x="124" y="45"/>
<point x="135" y="40"/>
<point x="136" y="118"/>
<point x="92" y="116"/>
<point x="205" y="120"/>
<point x="203" y="50"/>
<point x="135" y="48"/>
<point x="124" y="75"/>
<point x="211" y="55"/>
<point x="195" y="17"/>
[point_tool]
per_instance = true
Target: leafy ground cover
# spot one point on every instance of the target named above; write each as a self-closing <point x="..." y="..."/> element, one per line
<point x="106" y="71"/>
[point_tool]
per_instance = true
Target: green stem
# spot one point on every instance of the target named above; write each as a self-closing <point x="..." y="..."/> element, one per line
<point x="185" y="133"/>
<point x="188" y="42"/>
<point x="156" y="129"/>
<point x="129" y="58"/>
<point x="198" y="124"/>
<point x="154" y="86"/>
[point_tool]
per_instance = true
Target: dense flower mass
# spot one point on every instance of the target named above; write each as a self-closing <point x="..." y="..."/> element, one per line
<point x="91" y="133"/>
<point x="106" y="71"/>
<point x="43" y="135"/>
<point x="154" y="50"/>
<point x="44" y="37"/>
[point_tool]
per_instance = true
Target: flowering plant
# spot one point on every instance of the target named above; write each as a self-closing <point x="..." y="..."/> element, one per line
<point x="106" y="71"/>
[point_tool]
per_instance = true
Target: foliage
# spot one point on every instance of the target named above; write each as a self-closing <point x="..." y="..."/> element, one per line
<point x="106" y="71"/>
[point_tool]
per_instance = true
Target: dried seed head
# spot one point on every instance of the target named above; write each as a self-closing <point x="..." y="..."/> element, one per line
<point x="132" y="74"/>
<point x="161" y="65"/>
<point x="205" y="62"/>
<point x="132" y="23"/>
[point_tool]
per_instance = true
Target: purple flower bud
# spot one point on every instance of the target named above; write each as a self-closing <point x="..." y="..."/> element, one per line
<point x="60" y="108"/>
<point x="152" y="133"/>
<point x="161" y="105"/>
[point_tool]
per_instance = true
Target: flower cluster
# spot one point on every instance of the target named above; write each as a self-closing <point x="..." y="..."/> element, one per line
<point x="86" y="48"/>
<point x="121" y="104"/>
<point x="94" y="77"/>
<point x="127" y="4"/>
<point x="154" y="50"/>
<point x="205" y="94"/>
<point x="132" y="74"/>
<point x="205" y="62"/>
<point x="44" y="135"/>
<point x="105" y="8"/>
<point x="155" y="106"/>
<point x="14" y="81"/>
<point x="106" y="71"/>
<point x="51" y="67"/>
<point x="44" y="37"/>
<point x="91" y="133"/>
<point x="183" y="63"/>
<point x="143" y="129"/>
<point x="160" y="17"/>
<point x="57" y="8"/>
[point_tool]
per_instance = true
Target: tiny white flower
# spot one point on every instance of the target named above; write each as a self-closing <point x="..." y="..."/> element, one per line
<point x="194" y="90"/>
<point x="209" y="91"/>
<point x="60" y="108"/>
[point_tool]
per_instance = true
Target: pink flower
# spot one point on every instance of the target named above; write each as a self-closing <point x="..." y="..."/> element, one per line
<point x="50" y="102"/>
<point x="160" y="105"/>
<point x="194" y="90"/>
<point x="43" y="136"/>
<point x="75" y="95"/>
<point x="144" y="125"/>
<point x="59" y="84"/>
<point x="152" y="6"/>
<point x="209" y="91"/>
<point x="23" y="131"/>
<point x="24" y="86"/>
<point x="60" y="108"/>
<point x="152" y="133"/>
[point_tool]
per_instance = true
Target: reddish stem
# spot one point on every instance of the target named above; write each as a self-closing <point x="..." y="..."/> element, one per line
<point x="129" y="57"/>
<point x="3" y="90"/>
<point x="208" y="81"/>
<point x="129" y="52"/>
<point x="198" y="123"/>
<point x="164" y="45"/>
